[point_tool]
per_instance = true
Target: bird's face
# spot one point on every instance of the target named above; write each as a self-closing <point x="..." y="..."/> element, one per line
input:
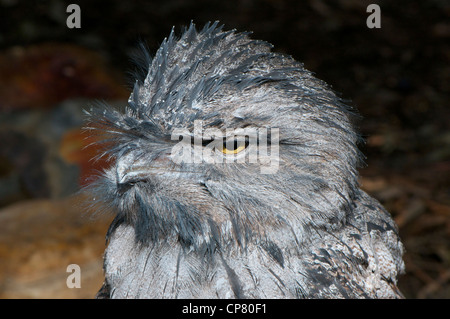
<point x="224" y="140"/>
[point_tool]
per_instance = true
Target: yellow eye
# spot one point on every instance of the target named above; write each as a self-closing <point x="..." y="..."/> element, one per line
<point x="231" y="147"/>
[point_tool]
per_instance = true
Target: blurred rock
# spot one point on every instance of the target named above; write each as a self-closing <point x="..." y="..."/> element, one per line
<point x="22" y="167"/>
<point x="45" y="153"/>
<point x="40" y="238"/>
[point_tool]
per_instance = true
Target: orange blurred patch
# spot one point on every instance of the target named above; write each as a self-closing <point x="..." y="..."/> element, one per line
<point x="80" y="148"/>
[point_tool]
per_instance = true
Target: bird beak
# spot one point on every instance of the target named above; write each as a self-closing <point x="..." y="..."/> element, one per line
<point x="131" y="168"/>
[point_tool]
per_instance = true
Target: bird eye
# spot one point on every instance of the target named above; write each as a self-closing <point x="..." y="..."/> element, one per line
<point x="234" y="146"/>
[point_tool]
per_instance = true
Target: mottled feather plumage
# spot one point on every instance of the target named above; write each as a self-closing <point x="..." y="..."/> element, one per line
<point x="202" y="230"/>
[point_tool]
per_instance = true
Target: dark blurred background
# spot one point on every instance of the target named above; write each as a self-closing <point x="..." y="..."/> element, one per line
<point x="397" y="76"/>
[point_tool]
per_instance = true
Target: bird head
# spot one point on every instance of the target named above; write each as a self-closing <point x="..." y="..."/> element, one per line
<point x="224" y="141"/>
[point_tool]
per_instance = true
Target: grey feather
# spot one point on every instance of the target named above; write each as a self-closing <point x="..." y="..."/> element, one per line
<point x="206" y="230"/>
